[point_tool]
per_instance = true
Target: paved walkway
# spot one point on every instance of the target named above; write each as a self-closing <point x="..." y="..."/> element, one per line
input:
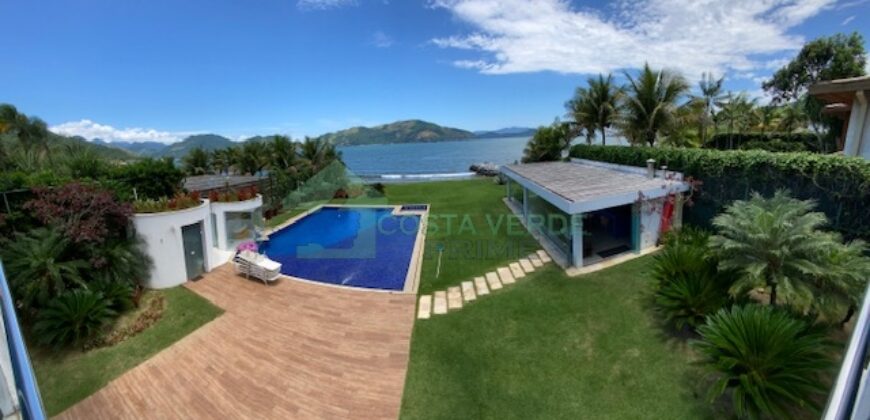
<point x="452" y="299"/>
<point x="289" y="350"/>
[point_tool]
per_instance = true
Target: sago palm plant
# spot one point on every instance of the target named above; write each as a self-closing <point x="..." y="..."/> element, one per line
<point x="72" y="317"/>
<point x="772" y="363"/>
<point x="773" y="243"/>
<point x="688" y="285"/>
<point x="41" y="266"/>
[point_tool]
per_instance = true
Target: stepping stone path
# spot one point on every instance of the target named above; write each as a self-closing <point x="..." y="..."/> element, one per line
<point x="455" y="297"/>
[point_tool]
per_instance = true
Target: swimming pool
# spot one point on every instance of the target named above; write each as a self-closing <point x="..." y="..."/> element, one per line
<point x="368" y="247"/>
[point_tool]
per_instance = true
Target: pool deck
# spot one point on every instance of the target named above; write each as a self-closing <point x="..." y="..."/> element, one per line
<point x="289" y="350"/>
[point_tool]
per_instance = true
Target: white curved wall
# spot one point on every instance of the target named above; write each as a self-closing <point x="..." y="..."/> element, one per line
<point x="221" y="209"/>
<point x="162" y="235"/>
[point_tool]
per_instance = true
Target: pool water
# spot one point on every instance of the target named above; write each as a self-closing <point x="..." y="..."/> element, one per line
<point x="354" y="246"/>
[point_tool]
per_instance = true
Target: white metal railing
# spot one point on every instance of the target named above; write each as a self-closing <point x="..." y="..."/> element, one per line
<point x="850" y="398"/>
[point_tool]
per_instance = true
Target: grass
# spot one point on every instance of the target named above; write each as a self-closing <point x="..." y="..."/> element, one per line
<point x="548" y="347"/>
<point x="70" y="376"/>
<point x="470" y="222"/>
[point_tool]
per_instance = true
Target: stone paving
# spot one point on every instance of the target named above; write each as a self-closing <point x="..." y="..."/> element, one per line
<point x="455" y="297"/>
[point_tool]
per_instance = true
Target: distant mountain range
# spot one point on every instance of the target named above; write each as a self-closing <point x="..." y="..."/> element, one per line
<point x="410" y="131"/>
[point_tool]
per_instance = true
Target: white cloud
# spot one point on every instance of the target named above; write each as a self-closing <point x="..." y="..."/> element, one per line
<point x="92" y="130"/>
<point x="382" y="40"/>
<point x="516" y="36"/>
<point x="847" y="20"/>
<point x="324" y="4"/>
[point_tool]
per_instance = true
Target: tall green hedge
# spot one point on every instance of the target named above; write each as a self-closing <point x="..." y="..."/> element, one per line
<point x="785" y="142"/>
<point x="840" y="185"/>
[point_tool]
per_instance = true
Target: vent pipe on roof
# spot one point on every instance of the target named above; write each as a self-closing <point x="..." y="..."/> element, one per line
<point x="650" y="168"/>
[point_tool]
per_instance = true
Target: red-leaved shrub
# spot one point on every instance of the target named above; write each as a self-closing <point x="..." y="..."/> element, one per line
<point x="82" y="212"/>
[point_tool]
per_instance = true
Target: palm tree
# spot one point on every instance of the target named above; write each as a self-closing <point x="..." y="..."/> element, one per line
<point x="283" y="153"/>
<point x="196" y="162"/>
<point x="793" y="117"/>
<point x="40" y="266"/>
<point x="253" y="157"/>
<point x="711" y="93"/>
<point x="767" y="116"/>
<point x="651" y="103"/>
<point x="737" y="111"/>
<point x="771" y="362"/>
<point x="222" y="160"/>
<point x="773" y="243"/>
<point x="316" y="154"/>
<point x="597" y="107"/>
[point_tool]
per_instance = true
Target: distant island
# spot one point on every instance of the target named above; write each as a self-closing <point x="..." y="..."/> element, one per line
<point x="409" y="131"/>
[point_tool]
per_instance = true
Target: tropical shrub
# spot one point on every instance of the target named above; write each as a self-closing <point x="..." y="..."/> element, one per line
<point x="688" y="285"/>
<point x="233" y="194"/>
<point x="548" y="143"/>
<point x="770" y="362"/>
<point x="118" y="296"/>
<point x="119" y="261"/>
<point x="840" y="185"/>
<point x="773" y="243"/>
<point x="83" y="213"/>
<point x="149" y="178"/>
<point x="72" y="317"/>
<point x="842" y="283"/>
<point x="41" y="265"/>
<point x="774" y="142"/>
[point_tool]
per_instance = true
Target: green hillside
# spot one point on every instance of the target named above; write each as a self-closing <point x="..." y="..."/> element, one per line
<point x="411" y="131"/>
<point x="205" y="141"/>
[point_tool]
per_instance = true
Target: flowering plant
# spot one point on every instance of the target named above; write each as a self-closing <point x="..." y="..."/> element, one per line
<point x="247" y="246"/>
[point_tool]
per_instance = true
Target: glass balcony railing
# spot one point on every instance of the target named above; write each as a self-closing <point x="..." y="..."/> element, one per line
<point x="19" y="394"/>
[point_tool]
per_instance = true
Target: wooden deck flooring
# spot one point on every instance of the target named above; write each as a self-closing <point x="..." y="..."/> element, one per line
<point x="289" y="350"/>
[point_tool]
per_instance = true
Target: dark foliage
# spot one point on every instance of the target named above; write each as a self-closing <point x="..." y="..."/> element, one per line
<point x="773" y="142"/>
<point x="151" y="179"/>
<point x="73" y="317"/>
<point x="840" y="186"/>
<point x="82" y="212"/>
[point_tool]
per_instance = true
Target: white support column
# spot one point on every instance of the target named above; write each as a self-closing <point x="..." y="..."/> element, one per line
<point x="526" y="205"/>
<point x="577" y="240"/>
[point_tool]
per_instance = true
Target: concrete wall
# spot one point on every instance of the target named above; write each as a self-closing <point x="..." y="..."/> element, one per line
<point x="650" y="222"/>
<point x="858" y="134"/>
<point x="221" y="209"/>
<point x="163" y="241"/>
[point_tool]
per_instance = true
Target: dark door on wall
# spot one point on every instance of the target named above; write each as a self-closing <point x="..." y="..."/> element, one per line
<point x="194" y="255"/>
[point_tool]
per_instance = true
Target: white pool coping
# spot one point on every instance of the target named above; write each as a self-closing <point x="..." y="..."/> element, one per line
<point x="414" y="270"/>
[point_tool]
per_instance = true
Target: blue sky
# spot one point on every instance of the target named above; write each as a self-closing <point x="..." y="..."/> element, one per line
<point x="159" y="70"/>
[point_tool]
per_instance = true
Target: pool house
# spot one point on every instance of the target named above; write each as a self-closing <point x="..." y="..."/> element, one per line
<point x="585" y="213"/>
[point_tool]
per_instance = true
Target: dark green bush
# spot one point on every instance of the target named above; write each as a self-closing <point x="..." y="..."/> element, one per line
<point x="688" y="285"/>
<point x="840" y="185"/>
<point x="773" y="146"/>
<point x="118" y="296"/>
<point x="72" y="317"/>
<point x="151" y="178"/>
<point x="773" y="364"/>
<point x="783" y="141"/>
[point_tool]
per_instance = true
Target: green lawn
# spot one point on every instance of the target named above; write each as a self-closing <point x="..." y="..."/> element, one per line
<point x="548" y="347"/>
<point x="468" y="219"/>
<point x="68" y="377"/>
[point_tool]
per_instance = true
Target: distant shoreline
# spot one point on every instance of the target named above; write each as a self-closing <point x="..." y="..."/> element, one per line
<point x="430" y="141"/>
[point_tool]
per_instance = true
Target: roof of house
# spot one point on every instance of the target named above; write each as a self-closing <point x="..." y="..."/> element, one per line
<point x="582" y="185"/>
<point x="213" y="182"/>
<point x="840" y="90"/>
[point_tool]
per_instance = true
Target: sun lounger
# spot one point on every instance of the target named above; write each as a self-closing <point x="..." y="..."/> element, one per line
<point x="252" y="264"/>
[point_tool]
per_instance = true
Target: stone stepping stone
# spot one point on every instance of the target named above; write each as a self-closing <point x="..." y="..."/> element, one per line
<point x="545" y="258"/>
<point x="526" y="265"/>
<point x="493" y="281"/>
<point x="504" y="273"/>
<point x="424" y="311"/>
<point x="535" y="260"/>
<point x="454" y="298"/>
<point x="480" y="285"/>
<point x="517" y="271"/>
<point x="468" y="291"/>
<point x="440" y="305"/>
